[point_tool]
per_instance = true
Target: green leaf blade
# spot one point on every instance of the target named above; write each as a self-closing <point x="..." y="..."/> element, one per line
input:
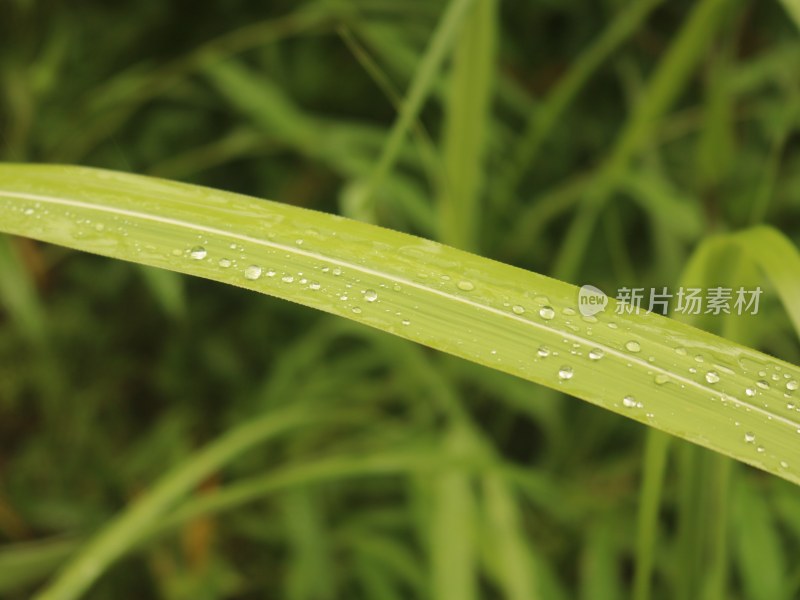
<point x="456" y="302"/>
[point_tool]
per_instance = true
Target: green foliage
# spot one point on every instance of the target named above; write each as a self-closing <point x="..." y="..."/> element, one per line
<point x="166" y="436"/>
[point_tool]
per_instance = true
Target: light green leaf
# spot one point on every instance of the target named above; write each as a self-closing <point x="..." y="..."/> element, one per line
<point x="487" y="312"/>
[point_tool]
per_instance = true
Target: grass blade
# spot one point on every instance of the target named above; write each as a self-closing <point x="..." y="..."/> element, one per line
<point x="466" y="128"/>
<point x="793" y="8"/>
<point x="453" y="535"/>
<point x="421" y="85"/>
<point x="23" y="563"/>
<point x="542" y="122"/>
<point x="661" y="91"/>
<point x="655" y="464"/>
<point x="779" y="260"/>
<point x="761" y="563"/>
<point x="456" y="302"/>
<point x="507" y="538"/>
<point x="122" y="533"/>
<point x="18" y="295"/>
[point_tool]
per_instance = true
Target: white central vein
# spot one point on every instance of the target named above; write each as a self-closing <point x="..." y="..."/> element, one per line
<point x="395" y="279"/>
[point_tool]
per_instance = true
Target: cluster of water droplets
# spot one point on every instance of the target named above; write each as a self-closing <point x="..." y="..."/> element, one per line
<point x="768" y="383"/>
<point x="349" y="294"/>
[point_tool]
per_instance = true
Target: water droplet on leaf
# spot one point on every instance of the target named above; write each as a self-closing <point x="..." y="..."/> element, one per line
<point x="547" y="313"/>
<point x="466" y="286"/>
<point x="629" y="402"/>
<point x="198" y="253"/>
<point x="596" y="353"/>
<point x="252" y="272"/>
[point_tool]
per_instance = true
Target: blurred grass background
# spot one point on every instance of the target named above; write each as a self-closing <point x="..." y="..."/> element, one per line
<point x="599" y="142"/>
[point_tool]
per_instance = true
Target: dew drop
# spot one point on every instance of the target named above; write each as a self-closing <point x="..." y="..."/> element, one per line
<point x="629" y="402"/>
<point x="681" y="351"/>
<point x="336" y="271"/>
<point x="792" y="385"/>
<point x="750" y="391"/>
<point x="224" y="263"/>
<point x="762" y="384"/>
<point x="517" y="309"/>
<point x="252" y="272"/>
<point x="632" y="346"/>
<point x="314" y="285"/>
<point x="712" y="377"/>
<point x="357" y="310"/>
<point x="466" y="286"/>
<point x="406" y="322"/>
<point x="543" y="351"/>
<point x="198" y="253"/>
<point x="784" y="464"/>
<point x="565" y="373"/>
<point x="547" y="313"/>
<point x="370" y="295"/>
<point x="749" y="437"/>
<point x="760" y="449"/>
<point x="661" y="378"/>
<point x="596" y="353"/>
<point x="287" y="279"/>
